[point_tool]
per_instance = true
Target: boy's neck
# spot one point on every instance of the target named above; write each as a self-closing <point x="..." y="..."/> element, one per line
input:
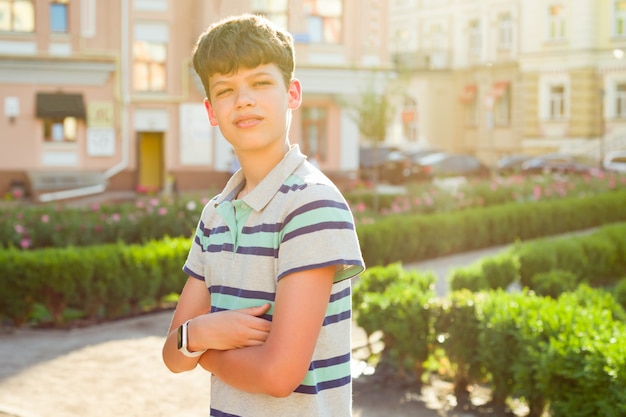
<point x="256" y="166"/>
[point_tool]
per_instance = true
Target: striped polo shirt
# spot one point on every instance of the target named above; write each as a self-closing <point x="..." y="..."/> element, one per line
<point x="295" y="219"/>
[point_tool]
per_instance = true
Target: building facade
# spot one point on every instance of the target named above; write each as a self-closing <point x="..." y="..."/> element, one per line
<point x="100" y="95"/>
<point x="498" y="77"/>
<point x="459" y="61"/>
<point x="574" y="76"/>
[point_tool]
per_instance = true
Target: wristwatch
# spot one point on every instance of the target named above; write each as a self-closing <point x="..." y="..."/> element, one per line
<point x="183" y="340"/>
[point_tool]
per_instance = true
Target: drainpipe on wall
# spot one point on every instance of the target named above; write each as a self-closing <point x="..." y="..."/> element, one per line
<point x="125" y="131"/>
<point x="125" y="91"/>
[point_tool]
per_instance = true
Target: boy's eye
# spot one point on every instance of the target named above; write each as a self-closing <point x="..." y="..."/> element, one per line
<point x="263" y="82"/>
<point x="222" y="92"/>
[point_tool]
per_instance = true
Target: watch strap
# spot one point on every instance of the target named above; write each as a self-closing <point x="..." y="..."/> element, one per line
<point x="183" y="339"/>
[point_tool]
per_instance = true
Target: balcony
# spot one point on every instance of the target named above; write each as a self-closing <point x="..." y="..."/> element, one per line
<point x="422" y="60"/>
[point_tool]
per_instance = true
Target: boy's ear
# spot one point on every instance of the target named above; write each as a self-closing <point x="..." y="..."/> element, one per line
<point x="295" y="94"/>
<point x="210" y="112"/>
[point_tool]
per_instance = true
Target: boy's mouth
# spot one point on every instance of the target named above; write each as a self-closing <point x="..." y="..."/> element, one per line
<point x="247" y="121"/>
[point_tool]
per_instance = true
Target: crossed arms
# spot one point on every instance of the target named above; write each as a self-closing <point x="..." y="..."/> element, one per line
<point x="246" y="351"/>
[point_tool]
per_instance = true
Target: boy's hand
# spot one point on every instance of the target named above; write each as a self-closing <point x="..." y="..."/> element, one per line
<point x="231" y="329"/>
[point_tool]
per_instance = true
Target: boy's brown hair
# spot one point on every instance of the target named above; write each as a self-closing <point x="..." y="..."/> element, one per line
<point x="245" y="41"/>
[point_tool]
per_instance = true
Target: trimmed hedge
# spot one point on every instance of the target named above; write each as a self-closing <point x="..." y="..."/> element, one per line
<point x="418" y="237"/>
<point x="106" y="282"/>
<point x="551" y="266"/>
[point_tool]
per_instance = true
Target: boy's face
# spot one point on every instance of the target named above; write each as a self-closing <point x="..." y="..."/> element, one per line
<point x="251" y="107"/>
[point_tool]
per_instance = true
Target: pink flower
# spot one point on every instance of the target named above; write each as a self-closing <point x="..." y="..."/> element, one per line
<point x="95" y="207"/>
<point x="154" y="202"/>
<point x="115" y="217"/>
<point x="139" y="204"/>
<point x="163" y="211"/>
<point x="25" y="243"/>
<point x="19" y="229"/>
<point x="361" y="207"/>
<point x="45" y="218"/>
<point x="537" y="192"/>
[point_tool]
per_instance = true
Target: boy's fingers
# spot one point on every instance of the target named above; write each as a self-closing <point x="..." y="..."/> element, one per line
<point x="257" y="310"/>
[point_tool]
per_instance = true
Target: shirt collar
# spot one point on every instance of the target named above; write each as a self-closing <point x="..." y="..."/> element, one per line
<point x="269" y="186"/>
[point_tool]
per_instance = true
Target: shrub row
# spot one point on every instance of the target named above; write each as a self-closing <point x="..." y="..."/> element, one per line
<point x="418" y="237"/>
<point x="551" y="266"/>
<point x="101" y="282"/>
<point x="567" y="355"/>
<point x="39" y="227"/>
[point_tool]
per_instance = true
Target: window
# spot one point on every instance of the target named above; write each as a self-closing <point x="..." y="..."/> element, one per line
<point x="314" y="136"/>
<point x="502" y="109"/>
<point x="324" y="20"/>
<point x="505" y="32"/>
<point x="620" y="101"/>
<point x="150" y="56"/>
<point x="475" y="38"/>
<point x="619" y="8"/>
<point x="17" y="16"/>
<point x="149" y="66"/>
<point x="435" y="46"/>
<point x="58" y="16"/>
<point x="556" y="22"/>
<point x="60" y="129"/>
<point x="557" y="102"/>
<point x="274" y="10"/>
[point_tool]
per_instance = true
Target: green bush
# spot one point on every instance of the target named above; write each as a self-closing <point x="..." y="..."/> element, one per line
<point x="107" y="282"/>
<point x="620" y="292"/>
<point x="498" y="342"/>
<point x="398" y="303"/>
<point x="554" y="283"/>
<point x="581" y="371"/>
<point x="469" y="278"/>
<point x="457" y="329"/>
<point x="17" y="295"/>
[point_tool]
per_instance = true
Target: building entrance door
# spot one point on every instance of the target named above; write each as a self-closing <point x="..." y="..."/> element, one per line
<point x="150" y="161"/>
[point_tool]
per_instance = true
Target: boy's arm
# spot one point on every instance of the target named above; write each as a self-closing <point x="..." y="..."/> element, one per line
<point x="222" y="330"/>
<point x="279" y="365"/>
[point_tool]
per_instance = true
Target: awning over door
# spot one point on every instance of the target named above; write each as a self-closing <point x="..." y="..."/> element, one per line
<point x="60" y="105"/>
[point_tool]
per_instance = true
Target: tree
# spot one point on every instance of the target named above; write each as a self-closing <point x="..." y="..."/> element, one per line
<point x="373" y="112"/>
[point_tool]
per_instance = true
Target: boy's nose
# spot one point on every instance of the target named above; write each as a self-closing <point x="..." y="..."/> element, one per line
<point x="244" y="98"/>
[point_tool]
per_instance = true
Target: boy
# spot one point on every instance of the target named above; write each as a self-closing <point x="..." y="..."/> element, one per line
<point x="266" y="308"/>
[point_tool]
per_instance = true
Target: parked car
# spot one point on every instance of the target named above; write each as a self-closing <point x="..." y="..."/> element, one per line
<point x="556" y="162"/>
<point x="443" y="164"/>
<point x="615" y="161"/>
<point x="372" y="160"/>
<point x="511" y="164"/>
<point x="402" y="166"/>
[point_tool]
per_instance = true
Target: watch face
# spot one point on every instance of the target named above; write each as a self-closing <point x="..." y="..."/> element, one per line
<point x="180" y="337"/>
